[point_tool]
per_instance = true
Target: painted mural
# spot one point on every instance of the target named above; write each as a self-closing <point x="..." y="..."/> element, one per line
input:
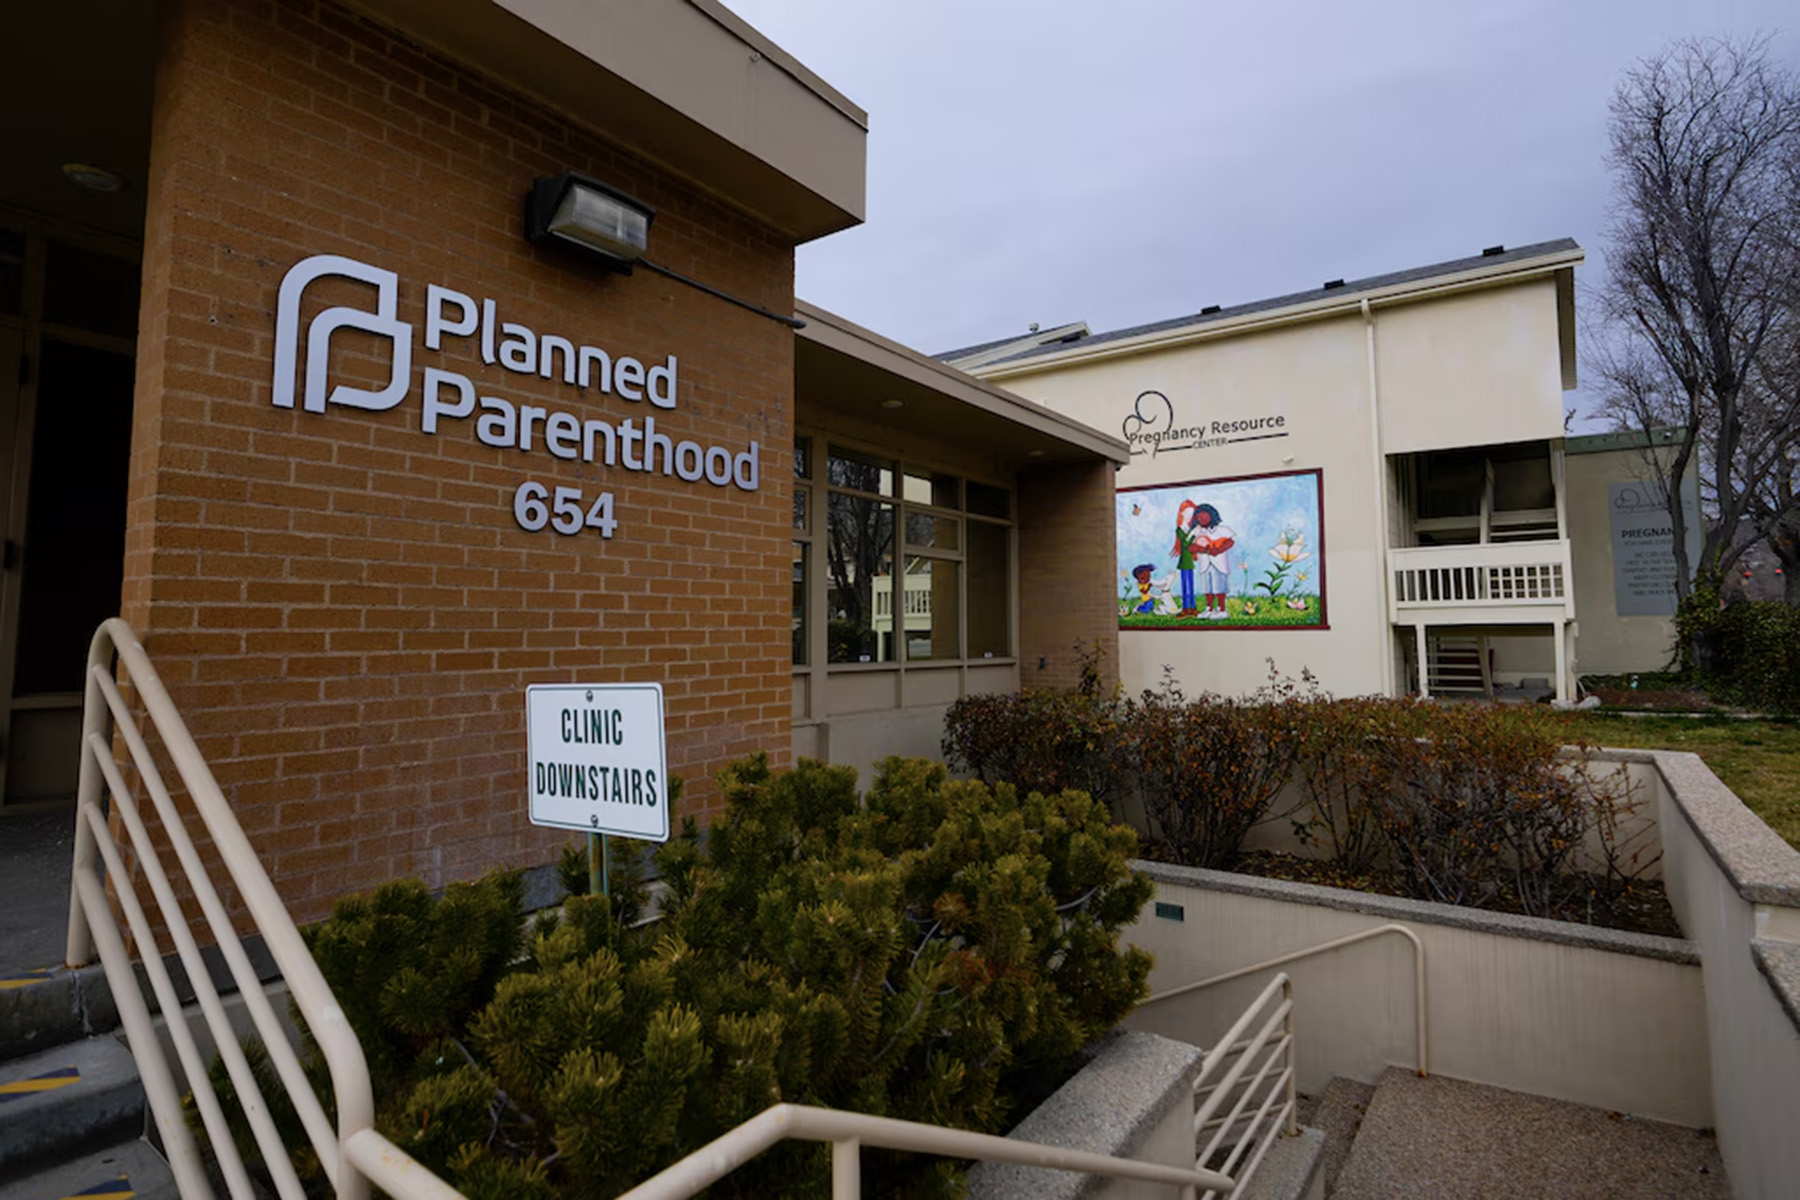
<point x="1239" y="553"/>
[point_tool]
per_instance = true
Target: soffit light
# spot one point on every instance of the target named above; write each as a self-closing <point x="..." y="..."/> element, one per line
<point x="585" y="214"/>
<point x="94" y="179"/>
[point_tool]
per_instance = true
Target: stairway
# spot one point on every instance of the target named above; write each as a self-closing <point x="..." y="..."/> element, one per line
<point x="1408" y="1138"/>
<point x="72" y="1111"/>
<point x="1455" y="664"/>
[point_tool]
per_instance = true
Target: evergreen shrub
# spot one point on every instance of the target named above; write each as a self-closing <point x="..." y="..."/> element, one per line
<point x="935" y="950"/>
<point x="1755" y="651"/>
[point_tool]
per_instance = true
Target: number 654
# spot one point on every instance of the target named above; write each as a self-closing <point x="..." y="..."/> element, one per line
<point x="567" y="510"/>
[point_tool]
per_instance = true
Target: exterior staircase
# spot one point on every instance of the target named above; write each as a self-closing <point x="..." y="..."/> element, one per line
<point x="72" y="1112"/>
<point x="1455" y="664"/>
<point x="1408" y="1138"/>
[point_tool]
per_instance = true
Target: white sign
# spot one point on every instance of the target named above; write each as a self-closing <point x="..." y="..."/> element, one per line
<point x="596" y="760"/>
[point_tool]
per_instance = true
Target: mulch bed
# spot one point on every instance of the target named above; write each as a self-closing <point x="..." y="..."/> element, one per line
<point x="1641" y="908"/>
<point x="1647" y="701"/>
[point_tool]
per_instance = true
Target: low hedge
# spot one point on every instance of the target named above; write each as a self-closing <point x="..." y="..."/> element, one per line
<point x="1469" y="804"/>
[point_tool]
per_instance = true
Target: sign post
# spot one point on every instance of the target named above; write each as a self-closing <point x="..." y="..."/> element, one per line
<point x="596" y="761"/>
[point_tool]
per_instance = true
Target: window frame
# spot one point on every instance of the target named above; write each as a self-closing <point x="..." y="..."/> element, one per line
<point x="821" y="446"/>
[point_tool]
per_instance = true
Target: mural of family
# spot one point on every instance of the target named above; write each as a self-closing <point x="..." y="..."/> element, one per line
<point x="1223" y="553"/>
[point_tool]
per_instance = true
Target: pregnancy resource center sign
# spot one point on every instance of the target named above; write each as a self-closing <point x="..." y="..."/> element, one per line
<point x="596" y="759"/>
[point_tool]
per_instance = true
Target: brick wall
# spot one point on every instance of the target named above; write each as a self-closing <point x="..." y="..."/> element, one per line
<point x="342" y="605"/>
<point x="1066" y="566"/>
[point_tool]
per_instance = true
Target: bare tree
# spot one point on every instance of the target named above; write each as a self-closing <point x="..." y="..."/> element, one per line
<point x="1779" y="508"/>
<point x="1701" y="285"/>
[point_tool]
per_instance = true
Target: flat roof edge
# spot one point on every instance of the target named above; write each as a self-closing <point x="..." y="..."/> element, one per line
<point x="1325" y="306"/>
<point x="682" y="83"/>
<point x="1622" y="439"/>
<point x="829" y="330"/>
<point x="758" y="41"/>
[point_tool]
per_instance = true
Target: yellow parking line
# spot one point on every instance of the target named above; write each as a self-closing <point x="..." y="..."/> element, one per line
<point x="24" y="979"/>
<point x="49" y="1081"/>
<point x="112" y="1189"/>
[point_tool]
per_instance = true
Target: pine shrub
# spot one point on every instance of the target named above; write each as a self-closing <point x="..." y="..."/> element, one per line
<point x="932" y="950"/>
<point x="1759" y="655"/>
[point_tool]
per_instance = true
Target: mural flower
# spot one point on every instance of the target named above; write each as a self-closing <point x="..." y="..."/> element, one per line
<point x="1290" y="547"/>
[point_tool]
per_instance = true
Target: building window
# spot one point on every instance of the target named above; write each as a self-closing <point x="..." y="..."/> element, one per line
<point x="990" y="591"/>
<point x="859" y="566"/>
<point x="917" y="562"/>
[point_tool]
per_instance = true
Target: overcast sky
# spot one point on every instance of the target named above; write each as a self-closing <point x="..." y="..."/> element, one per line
<point x="1137" y="160"/>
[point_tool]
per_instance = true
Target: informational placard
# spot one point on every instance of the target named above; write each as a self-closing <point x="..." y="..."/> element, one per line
<point x="596" y="759"/>
<point x="1643" y="552"/>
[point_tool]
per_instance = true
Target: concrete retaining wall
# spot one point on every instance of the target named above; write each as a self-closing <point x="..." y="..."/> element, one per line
<point x="1735" y="887"/>
<point x="1595" y="1016"/>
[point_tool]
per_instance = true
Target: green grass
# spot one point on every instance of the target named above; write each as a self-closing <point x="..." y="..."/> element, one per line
<point x="1267" y="612"/>
<point x="1759" y="760"/>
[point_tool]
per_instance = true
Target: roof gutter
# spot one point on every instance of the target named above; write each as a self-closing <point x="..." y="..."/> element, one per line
<point x="1334" y="305"/>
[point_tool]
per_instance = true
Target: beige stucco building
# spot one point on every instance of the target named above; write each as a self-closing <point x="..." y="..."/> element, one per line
<point x="1388" y="457"/>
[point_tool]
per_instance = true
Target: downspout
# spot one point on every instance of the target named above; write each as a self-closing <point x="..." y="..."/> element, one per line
<point x="1383" y="533"/>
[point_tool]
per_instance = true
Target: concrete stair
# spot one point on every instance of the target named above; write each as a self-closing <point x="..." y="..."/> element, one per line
<point x="72" y="1107"/>
<point x="1445" y="1139"/>
<point x="1290" y="1170"/>
<point x="1338" y="1114"/>
<point x="129" y="1170"/>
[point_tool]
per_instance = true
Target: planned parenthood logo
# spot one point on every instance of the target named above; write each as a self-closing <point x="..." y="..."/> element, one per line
<point x="383" y="322"/>
<point x="1150" y="428"/>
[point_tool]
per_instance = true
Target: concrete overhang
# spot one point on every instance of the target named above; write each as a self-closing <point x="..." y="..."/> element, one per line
<point x="843" y="368"/>
<point x="686" y="83"/>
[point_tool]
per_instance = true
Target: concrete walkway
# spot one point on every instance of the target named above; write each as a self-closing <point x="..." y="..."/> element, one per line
<point x="35" y="849"/>
<point x="1443" y="1139"/>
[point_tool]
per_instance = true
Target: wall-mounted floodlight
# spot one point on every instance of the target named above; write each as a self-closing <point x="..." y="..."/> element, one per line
<point x="606" y="226"/>
<point x="589" y="216"/>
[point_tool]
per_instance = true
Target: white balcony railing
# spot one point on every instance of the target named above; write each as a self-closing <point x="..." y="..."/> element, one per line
<point x="1502" y="583"/>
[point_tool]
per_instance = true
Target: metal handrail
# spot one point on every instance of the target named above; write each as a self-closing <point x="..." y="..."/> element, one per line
<point x="848" y="1132"/>
<point x="1276" y="1035"/>
<point x="353" y="1154"/>
<point x="1419" y="1011"/>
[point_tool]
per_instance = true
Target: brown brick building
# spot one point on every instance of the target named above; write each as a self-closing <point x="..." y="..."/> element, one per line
<point x="291" y="379"/>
